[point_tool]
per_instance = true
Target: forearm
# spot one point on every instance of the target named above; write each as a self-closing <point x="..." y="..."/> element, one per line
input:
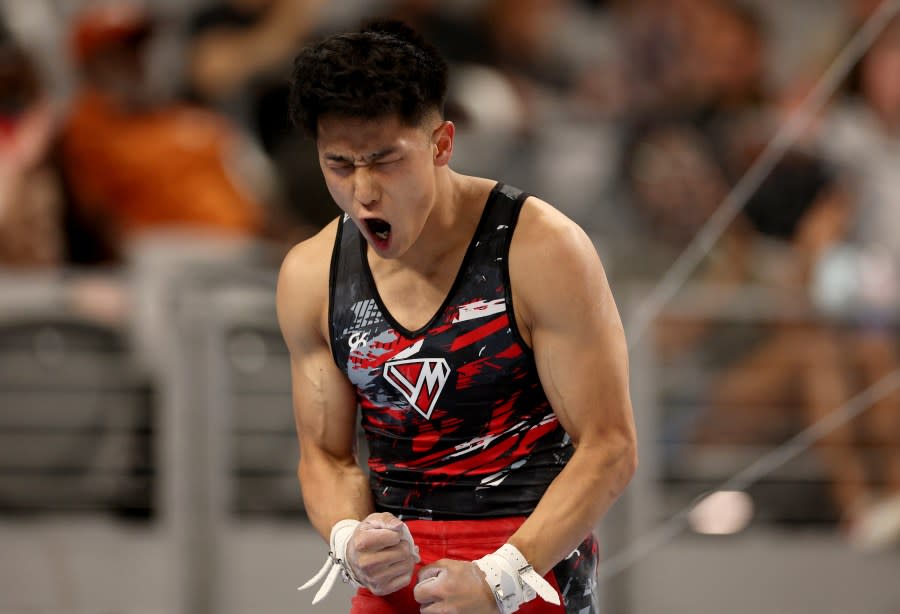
<point x="10" y="185"/>
<point x="333" y="491"/>
<point x="575" y="502"/>
<point x="272" y="42"/>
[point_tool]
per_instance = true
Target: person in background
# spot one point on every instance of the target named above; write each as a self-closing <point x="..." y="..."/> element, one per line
<point x="238" y="52"/>
<point x="769" y="380"/>
<point x="31" y="215"/>
<point x="690" y="57"/>
<point x="519" y="39"/>
<point x="133" y="164"/>
<point x="861" y="134"/>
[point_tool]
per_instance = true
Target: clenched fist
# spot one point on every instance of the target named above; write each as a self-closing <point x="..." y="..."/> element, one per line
<point x="381" y="553"/>
<point x="456" y="587"/>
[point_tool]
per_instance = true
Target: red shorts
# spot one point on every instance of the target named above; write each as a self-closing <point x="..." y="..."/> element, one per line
<point x="464" y="540"/>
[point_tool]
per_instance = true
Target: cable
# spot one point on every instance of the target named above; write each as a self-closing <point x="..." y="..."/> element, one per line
<point x="676" y="276"/>
<point x="766" y="464"/>
<point x="711" y="231"/>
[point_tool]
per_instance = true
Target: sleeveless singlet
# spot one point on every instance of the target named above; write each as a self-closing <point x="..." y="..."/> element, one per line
<point x="456" y="420"/>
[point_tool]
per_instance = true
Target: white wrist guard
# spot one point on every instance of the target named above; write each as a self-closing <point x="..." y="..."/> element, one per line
<point x="513" y="581"/>
<point x="336" y="563"/>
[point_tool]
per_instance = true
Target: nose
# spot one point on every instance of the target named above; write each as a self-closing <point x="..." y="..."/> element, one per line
<point x="365" y="188"/>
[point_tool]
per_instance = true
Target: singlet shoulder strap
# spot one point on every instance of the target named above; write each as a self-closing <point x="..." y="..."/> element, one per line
<point x="491" y="262"/>
<point x="344" y="267"/>
<point x="496" y="230"/>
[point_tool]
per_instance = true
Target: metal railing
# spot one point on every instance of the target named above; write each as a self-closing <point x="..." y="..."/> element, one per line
<point x="210" y="383"/>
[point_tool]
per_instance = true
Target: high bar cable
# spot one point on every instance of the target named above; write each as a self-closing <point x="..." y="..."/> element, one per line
<point x="764" y="465"/>
<point x="711" y="231"/>
<point x="676" y="276"/>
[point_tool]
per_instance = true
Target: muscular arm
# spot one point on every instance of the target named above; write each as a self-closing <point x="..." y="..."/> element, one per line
<point x="564" y="307"/>
<point x="333" y="484"/>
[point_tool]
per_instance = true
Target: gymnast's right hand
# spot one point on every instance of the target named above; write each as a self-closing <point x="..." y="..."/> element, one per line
<point x="381" y="553"/>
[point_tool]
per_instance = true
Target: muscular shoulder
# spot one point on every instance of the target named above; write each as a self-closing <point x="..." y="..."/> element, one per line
<point x="302" y="297"/>
<point x="543" y="231"/>
<point x="554" y="267"/>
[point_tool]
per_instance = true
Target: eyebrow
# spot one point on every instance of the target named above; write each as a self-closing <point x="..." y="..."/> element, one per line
<point x="372" y="157"/>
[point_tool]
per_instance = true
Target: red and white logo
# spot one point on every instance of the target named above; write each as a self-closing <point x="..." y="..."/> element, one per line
<point x="419" y="380"/>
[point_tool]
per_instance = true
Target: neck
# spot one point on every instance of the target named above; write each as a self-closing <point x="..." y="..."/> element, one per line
<point x="451" y="224"/>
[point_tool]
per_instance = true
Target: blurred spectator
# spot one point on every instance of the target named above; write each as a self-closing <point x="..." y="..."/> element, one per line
<point x="508" y="47"/>
<point x="30" y="200"/>
<point x="483" y="97"/>
<point x="554" y="54"/>
<point x="796" y="372"/>
<point x="862" y="134"/>
<point x="133" y="164"/>
<point x="724" y="59"/>
<point x="687" y="55"/>
<point x="519" y="40"/>
<point x="674" y="178"/>
<point x="693" y="72"/>
<point x="797" y="215"/>
<point x="676" y="171"/>
<point x="239" y="52"/>
<point x="450" y="28"/>
<point x="653" y="42"/>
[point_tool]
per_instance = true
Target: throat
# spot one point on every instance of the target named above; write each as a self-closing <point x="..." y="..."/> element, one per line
<point x="413" y="292"/>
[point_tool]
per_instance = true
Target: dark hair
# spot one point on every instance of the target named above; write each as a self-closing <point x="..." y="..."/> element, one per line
<point x="788" y="193"/>
<point x="386" y="68"/>
<point x="20" y="84"/>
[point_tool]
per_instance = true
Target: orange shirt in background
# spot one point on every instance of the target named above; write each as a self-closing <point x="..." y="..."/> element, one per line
<point x="159" y="168"/>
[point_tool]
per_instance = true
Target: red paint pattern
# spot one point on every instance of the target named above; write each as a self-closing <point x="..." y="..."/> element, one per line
<point x="480" y="333"/>
<point x="370" y="361"/>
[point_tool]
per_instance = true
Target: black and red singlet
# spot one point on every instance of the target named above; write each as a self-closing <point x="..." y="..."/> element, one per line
<point x="457" y="423"/>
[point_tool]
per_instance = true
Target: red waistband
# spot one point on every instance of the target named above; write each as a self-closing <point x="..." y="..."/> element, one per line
<point x="464" y="531"/>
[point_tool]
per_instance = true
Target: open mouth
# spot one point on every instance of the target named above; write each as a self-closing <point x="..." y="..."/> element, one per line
<point x="380" y="229"/>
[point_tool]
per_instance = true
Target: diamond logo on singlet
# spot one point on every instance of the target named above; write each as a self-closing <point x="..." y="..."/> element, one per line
<point x="419" y="380"/>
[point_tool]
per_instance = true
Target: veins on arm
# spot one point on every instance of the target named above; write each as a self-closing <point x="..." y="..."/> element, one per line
<point x="334" y="486"/>
<point x="581" y="356"/>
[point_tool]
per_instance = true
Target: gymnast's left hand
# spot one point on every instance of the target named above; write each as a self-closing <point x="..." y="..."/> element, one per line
<point x="454" y="587"/>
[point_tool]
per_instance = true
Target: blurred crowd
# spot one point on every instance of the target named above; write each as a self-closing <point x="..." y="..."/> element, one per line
<point x="636" y="117"/>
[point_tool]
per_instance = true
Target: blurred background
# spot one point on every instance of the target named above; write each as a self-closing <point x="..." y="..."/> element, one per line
<point x="150" y="183"/>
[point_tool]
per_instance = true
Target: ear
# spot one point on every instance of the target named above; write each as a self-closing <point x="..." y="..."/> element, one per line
<point x="442" y="142"/>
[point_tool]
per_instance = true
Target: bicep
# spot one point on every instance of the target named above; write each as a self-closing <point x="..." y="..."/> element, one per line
<point x="579" y="346"/>
<point x="323" y="399"/>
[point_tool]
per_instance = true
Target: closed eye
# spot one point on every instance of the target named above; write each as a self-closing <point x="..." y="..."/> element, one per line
<point x="341" y="171"/>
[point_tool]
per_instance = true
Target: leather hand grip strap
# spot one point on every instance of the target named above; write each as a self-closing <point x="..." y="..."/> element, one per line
<point x="336" y="563"/>
<point x="513" y="580"/>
